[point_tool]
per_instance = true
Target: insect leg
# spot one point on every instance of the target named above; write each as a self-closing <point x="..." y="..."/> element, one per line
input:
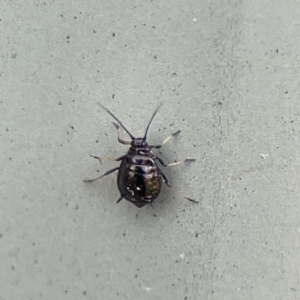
<point x="119" y="137"/>
<point x="165" y="141"/>
<point x="176" y="190"/>
<point x="107" y="158"/>
<point x="105" y="174"/>
<point x="175" y="162"/>
<point x="121" y="197"/>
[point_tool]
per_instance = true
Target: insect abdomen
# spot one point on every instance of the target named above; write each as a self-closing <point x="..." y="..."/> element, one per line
<point x="139" y="179"/>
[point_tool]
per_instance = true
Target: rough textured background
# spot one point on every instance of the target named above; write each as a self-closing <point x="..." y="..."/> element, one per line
<point x="227" y="72"/>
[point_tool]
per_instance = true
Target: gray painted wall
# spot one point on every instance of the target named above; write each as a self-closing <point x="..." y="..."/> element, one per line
<point x="227" y="73"/>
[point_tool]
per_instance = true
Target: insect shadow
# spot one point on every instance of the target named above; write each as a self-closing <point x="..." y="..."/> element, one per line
<point x="139" y="177"/>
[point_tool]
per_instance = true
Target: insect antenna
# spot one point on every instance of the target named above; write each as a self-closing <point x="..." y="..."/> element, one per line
<point x="145" y="136"/>
<point x="132" y="137"/>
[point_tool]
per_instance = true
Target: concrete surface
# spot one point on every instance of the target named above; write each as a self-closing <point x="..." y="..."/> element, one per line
<point x="228" y="75"/>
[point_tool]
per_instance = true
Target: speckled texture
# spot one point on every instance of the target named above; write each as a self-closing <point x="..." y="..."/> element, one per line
<point x="227" y="73"/>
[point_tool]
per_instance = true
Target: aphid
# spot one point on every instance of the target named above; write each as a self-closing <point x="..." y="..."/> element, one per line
<point x="139" y="177"/>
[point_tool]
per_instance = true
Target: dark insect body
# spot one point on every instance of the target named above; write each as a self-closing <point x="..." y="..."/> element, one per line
<point x="139" y="177"/>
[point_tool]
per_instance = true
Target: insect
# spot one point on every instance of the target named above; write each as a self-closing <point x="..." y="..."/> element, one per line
<point x="139" y="177"/>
